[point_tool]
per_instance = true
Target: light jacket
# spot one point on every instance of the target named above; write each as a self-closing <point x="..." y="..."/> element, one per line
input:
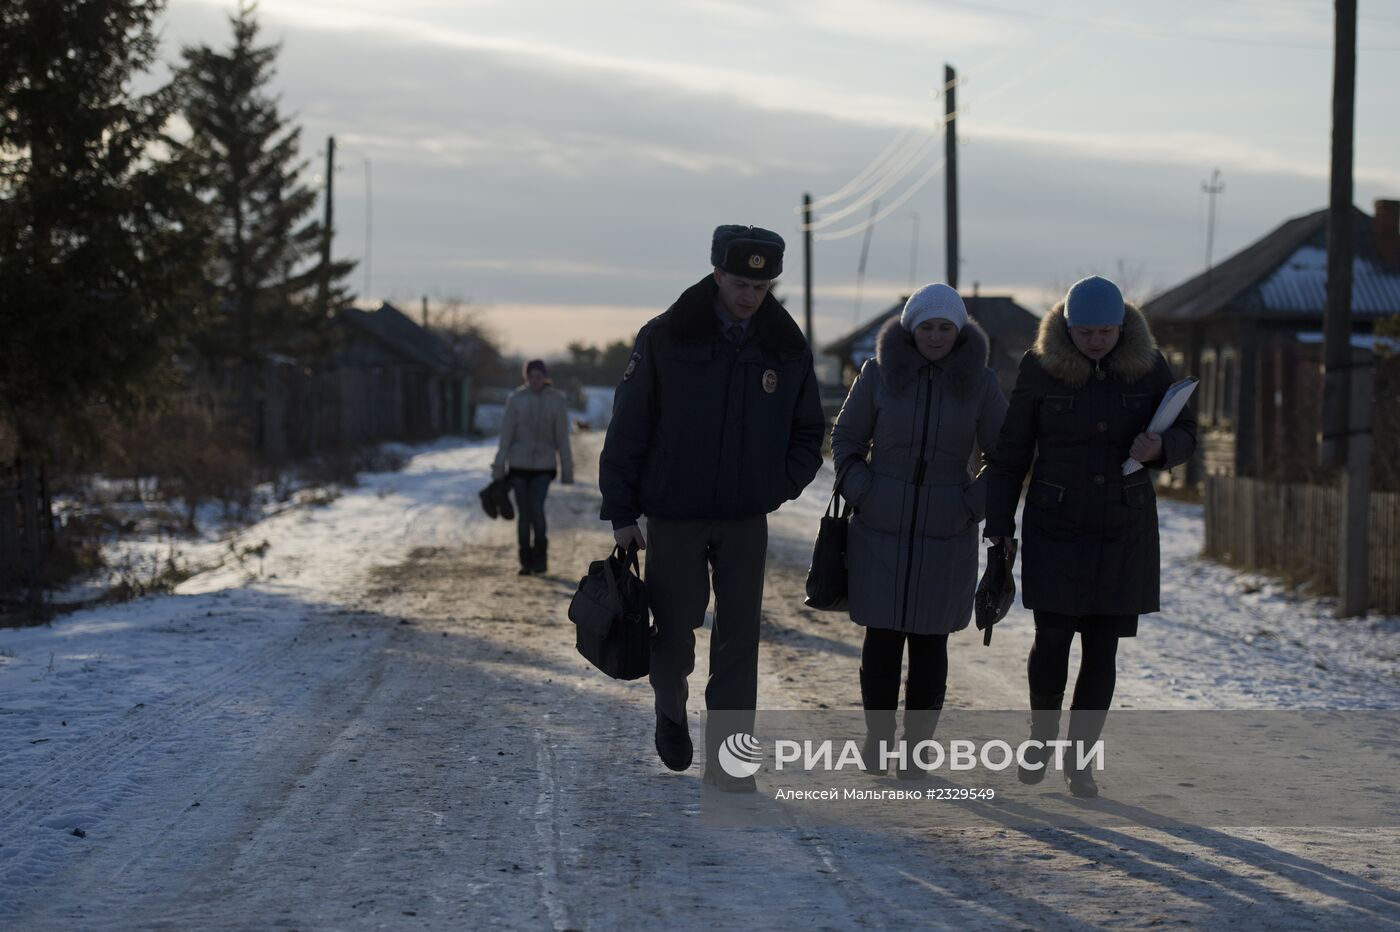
<point x="534" y="431"/>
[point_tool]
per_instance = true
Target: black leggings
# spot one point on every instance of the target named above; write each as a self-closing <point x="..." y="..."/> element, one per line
<point x="881" y="657"/>
<point x="1048" y="666"/>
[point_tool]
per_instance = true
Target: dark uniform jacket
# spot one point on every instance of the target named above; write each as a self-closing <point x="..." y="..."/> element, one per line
<point x="1090" y="542"/>
<point x="704" y="428"/>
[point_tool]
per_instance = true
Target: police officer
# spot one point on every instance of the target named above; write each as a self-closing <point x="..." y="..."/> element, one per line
<point x="716" y="423"/>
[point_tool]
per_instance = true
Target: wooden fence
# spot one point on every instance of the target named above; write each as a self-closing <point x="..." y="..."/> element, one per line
<point x="1293" y="531"/>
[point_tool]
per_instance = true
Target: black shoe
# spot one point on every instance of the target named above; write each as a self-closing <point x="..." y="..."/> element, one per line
<point x="1039" y="755"/>
<point x="1085" y="727"/>
<point x="878" y="697"/>
<point x="527" y="561"/>
<point x="673" y="743"/>
<point x="727" y="784"/>
<point x="1045" y="726"/>
<point x="875" y="738"/>
<point x="919" y="726"/>
<point x="540" y="563"/>
<point x="1081" y="783"/>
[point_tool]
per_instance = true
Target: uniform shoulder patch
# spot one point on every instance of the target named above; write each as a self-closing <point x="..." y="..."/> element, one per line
<point x="631" y="366"/>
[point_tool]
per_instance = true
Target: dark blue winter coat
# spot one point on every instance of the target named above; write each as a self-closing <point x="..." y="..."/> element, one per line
<point x="705" y="428"/>
<point x="1089" y="534"/>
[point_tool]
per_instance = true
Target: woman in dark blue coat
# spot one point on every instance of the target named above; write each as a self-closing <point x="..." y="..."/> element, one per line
<point x="1090" y="556"/>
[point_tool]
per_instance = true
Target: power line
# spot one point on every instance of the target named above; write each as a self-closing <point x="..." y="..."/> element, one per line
<point x="1126" y="27"/>
<point x="894" y="205"/>
<point x="874" y="167"/>
<point x="893" y="176"/>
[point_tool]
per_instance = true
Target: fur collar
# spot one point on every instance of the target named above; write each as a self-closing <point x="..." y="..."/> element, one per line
<point x="693" y="319"/>
<point x="900" y="361"/>
<point x="1133" y="357"/>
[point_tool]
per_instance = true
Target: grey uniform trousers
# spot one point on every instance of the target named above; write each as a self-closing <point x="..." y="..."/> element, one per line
<point x="683" y="558"/>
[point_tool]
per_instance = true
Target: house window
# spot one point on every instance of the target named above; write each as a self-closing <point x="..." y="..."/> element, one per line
<point x="1206" y="403"/>
<point x="1177" y="362"/>
<point x="1228" y="394"/>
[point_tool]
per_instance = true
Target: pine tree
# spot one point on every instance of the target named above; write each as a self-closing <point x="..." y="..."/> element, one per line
<point x="263" y="278"/>
<point x="97" y="254"/>
<point x="98" y="249"/>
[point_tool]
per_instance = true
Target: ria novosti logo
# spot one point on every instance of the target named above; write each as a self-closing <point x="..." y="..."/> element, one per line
<point x="740" y="755"/>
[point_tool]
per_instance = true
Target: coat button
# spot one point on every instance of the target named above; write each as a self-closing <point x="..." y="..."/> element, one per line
<point x="1100" y="375"/>
<point x="1102" y="426"/>
<point x="1098" y="480"/>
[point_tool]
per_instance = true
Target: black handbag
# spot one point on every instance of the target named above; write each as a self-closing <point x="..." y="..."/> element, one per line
<point x="495" y="500"/>
<point x="828" y="584"/>
<point x="489" y="502"/>
<point x="612" y="618"/>
<point x="997" y="590"/>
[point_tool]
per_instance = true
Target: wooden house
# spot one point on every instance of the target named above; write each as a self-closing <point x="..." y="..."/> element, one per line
<point x="1250" y="329"/>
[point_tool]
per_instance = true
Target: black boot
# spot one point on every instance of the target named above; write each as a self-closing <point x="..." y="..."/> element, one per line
<point x="527" y="561"/>
<point x="921" y="713"/>
<point x="541" y="562"/>
<point x="673" y="743"/>
<point x="1085" y="726"/>
<point x="1045" y="726"/>
<point x="879" y="702"/>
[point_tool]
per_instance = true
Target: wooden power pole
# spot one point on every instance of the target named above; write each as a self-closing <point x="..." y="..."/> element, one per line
<point x="1346" y="415"/>
<point x="950" y="149"/>
<point x="807" y="266"/>
<point x="324" y="287"/>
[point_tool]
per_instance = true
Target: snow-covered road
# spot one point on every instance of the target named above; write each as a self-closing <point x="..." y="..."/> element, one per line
<point x="378" y="725"/>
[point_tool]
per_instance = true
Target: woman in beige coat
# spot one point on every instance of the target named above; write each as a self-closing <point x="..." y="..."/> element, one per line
<point x="534" y="433"/>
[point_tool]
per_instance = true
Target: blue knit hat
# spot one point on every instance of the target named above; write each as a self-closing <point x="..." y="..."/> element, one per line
<point x="1094" y="302"/>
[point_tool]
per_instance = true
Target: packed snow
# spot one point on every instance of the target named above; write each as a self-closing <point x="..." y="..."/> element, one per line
<point x="109" y="713"/>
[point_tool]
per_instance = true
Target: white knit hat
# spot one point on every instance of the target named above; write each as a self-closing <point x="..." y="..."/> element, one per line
<point x="930" y="301"/>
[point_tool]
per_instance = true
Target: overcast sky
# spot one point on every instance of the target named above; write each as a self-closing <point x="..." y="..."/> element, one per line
<point x="563" y="163"/>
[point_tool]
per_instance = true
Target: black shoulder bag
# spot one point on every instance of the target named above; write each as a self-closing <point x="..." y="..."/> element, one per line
<point x="612" y="617"/>
<point x="828" y="585"/>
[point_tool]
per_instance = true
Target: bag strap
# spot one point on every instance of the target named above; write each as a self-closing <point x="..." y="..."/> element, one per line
<point x="628" y="558"/>
<point x="845" y="511"/>
<point x="612" y="581"/>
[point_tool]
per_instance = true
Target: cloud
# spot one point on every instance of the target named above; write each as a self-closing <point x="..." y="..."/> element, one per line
<point x="575" y="193"/>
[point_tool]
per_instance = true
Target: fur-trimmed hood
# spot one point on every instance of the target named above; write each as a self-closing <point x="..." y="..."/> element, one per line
<point x="900" y="360"/>
<point x="1133" y="357"/>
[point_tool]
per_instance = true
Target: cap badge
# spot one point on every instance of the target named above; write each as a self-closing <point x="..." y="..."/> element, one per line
<point x="757" y="261"/>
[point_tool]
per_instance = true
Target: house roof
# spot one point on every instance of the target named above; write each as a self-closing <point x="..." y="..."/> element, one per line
<point x="1284" y="275"/>
<point x="391" y="327"/>
<point x="998" y="315"/>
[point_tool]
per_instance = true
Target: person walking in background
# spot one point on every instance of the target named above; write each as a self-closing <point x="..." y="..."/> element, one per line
<point x="717" y="422"/>
<point x="1084" y="395"/>
<point x="534" y="448"/>
<point x="901" y="445"/>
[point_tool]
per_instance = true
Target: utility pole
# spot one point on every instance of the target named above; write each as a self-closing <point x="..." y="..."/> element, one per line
<point x="807" y="265"/>
<point x="1211" y="188"/>
<point x="425" y="312"/>
<point x="913" y="250"/>
<point x="1346" y="436"/>
<point x="369" y="224"/>
<point x="324" y="287"/>
<point x="865" y="254"/>
<point x="950" y="149"/>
